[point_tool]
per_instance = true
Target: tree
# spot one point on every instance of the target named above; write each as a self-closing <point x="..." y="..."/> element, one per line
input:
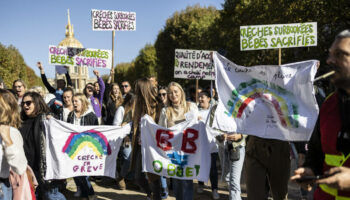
<point x="187" y="29"/>
<point x="125" y="72"/>
<point x="331" y="17"/>
<point x="146" y="62"/>
<point x="12" y="67"/>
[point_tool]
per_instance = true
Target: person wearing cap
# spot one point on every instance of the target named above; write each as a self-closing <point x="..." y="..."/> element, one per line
<point x="329" y="146"/>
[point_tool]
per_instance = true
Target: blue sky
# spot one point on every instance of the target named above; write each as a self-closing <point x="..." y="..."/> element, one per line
<point x="33" y="25"/>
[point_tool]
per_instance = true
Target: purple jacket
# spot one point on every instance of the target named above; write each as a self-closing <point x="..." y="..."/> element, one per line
<point x="96" y="99"/>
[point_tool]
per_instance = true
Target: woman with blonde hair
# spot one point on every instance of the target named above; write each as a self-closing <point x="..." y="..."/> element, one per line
<point x="145" y="103"/>
<point x="82" y="115"/>
<point x="11" y="141"/>
<point x="171" y="115"/>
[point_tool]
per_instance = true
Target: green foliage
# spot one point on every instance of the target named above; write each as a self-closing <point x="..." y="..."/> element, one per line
<point x="331" y="17"/>
<point x="125" y="72"/>
<point x="187" y="29"/>
<point x="12" y="67"/>
<point x="32" y="78"/>
<point x="146" y="62"/>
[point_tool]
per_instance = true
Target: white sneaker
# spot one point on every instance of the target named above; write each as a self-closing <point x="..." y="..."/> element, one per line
<point x="200" y="189"/>
<point x="78" y="192"/>
<point x="216" y="194"/>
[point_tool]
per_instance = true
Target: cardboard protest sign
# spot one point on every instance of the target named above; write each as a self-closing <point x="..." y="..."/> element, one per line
<point x="278" y="36"/>
<point x="69" y="56"/>
<point x="267" y="101"/>
<point x="108" y="20"/>
<point x="194" y="64"/>
<point x="81" y="150"/>
<point x="180" y="152"/>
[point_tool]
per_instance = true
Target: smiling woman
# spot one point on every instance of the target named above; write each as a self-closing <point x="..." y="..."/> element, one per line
<point x="173" y="114"/>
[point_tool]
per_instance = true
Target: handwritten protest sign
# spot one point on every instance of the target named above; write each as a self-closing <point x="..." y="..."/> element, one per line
<point x="278" y="36"/>
<point x="108" y="20"/>
<point x="73" y="150"/>
<point x="69" y="56"/>
<point x="266" y="101"/>
<point x="181" y="151"/>
<point x="194" y="64"/>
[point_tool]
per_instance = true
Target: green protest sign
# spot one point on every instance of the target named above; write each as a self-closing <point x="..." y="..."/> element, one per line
<point x="70" y="56"/>
<point x="278" y="36"/>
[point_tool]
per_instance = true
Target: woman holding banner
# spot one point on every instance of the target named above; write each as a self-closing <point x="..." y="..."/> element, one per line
<point x="173" y="114"/>
<point x="145" y="103"/>
<point x="82" y="115"/>
<point x="34" y="111"/>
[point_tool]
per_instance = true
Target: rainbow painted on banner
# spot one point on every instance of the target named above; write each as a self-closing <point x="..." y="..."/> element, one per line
<point x="280" y="98"/>
<point x="91" y="138"/>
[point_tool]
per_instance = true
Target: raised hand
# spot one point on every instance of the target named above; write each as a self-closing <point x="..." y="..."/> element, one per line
<point x="97" y="73"/>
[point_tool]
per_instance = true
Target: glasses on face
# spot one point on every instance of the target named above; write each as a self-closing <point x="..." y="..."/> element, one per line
<point x="90" y="88"/>
<point x="27" y="103"/>
<point x="162" y="94"/>
<point x="125" y="86"/>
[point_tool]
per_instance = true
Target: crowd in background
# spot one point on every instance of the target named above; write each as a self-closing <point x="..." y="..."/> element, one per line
<point x="267" y="161"/>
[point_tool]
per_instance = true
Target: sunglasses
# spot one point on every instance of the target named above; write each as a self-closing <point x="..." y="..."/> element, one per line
<point x="162" y="94"/>
<point x="125" y="86"/>
<point x="27" y="103"/>
<point x="90" y="88"/>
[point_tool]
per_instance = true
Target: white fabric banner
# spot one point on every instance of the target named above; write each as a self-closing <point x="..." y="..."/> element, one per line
<point x="181" y="151"/>
<point x="275" y="102"/>
<point x="81" y="150"/>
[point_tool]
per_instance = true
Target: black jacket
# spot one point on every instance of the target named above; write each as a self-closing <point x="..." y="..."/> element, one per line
<point x="33" y="134"/>
<point x="89" y="118"/>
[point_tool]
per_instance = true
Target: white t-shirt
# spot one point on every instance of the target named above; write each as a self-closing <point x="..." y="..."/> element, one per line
<point x="65" y="113"/>
<point x="12" y="156"/>
<point x="118" y="117"/>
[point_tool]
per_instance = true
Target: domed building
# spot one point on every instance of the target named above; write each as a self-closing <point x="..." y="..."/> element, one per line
<point x="79" y="75"/>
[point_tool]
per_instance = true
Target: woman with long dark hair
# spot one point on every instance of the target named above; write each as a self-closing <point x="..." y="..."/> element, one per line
<point x="145" y="103"/>
<point x="34" y="111"/>
<point x="96" y="97"/>
<point x="114" y="100"/>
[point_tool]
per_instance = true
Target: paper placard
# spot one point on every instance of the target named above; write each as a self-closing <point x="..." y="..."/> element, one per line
<point x="278" y="36"/>
<point x="194" y="64"/>
<point x="108" y="20"/>
<point x="69" y="56"/>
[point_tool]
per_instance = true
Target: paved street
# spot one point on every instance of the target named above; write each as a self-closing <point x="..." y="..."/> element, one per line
<point x="106" y="190"/>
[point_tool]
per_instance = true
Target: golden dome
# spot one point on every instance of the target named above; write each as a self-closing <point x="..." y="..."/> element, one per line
<point x="70" y="40"/>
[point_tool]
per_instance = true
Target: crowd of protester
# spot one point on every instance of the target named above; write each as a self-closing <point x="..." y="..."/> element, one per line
<point x="267" y="161"/>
